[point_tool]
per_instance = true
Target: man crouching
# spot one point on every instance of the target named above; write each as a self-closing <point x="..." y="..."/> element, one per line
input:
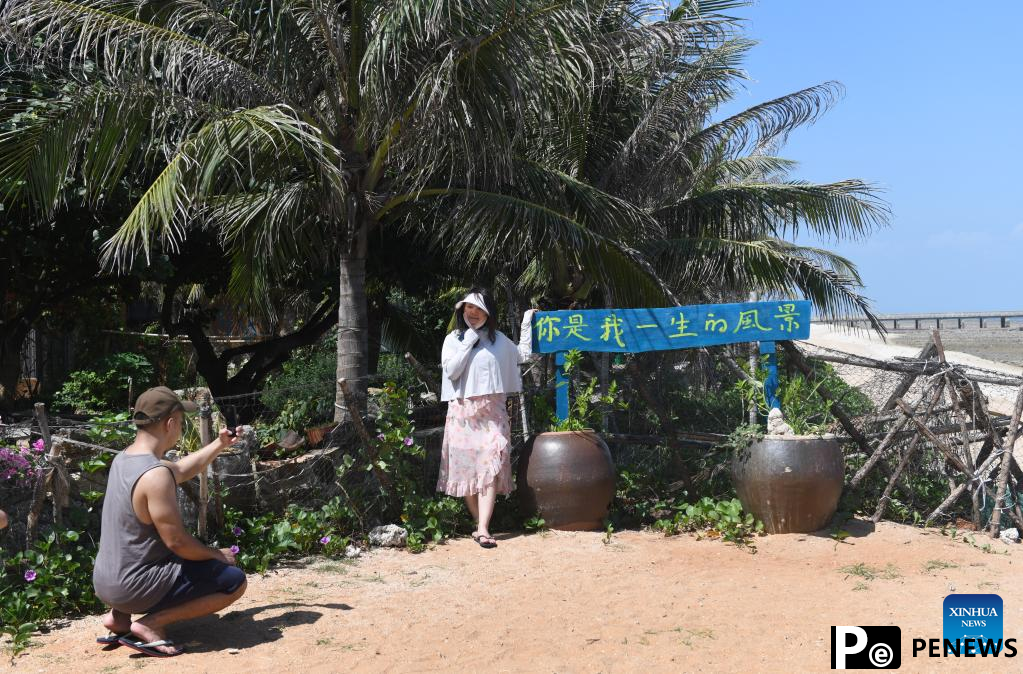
<point x="147" y="563"/>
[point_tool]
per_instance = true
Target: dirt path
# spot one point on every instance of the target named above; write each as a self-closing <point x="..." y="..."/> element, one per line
<point x="566" y="602"/>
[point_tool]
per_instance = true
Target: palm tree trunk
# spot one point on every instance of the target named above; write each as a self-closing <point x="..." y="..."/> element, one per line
<point x="352" y="325"/>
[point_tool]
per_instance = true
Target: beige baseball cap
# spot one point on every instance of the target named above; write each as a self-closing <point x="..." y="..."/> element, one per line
<point x="156" y="403"/>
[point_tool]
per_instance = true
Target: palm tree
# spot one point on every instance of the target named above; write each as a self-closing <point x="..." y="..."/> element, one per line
<point x="303" y="129"/>
<point x="716" y="206"/>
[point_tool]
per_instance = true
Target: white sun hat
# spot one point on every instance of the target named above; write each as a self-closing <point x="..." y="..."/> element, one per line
<point x="475" y="299"/>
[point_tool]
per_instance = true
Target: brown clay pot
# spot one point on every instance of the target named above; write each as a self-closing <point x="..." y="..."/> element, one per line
<point x="568" y="478"/>
<point x="792" y="484"/>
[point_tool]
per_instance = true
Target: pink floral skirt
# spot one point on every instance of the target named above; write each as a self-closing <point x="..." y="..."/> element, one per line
<point x="477" y="447"/>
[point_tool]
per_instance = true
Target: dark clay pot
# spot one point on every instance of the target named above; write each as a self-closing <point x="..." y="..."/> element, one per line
<point x="792" y="484"/>
<point x="569" y="478"/>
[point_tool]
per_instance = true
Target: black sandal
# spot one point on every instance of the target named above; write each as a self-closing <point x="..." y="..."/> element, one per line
<point x="486" y="541"/>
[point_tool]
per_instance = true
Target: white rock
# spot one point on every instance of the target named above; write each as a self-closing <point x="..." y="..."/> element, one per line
<point x="351" y="552"/>
<point x="388" y="536"/>
<point x="1009" y="536"/>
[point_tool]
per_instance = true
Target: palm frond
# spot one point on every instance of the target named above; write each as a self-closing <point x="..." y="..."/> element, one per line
<point x="259" y="146"/>
<point x="116" y="40"/>
<point x="773" y="267"/>
<point x="845" y="209"/>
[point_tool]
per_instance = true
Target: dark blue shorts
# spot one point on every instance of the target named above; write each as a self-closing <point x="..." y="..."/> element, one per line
<point x="199" y="579"/>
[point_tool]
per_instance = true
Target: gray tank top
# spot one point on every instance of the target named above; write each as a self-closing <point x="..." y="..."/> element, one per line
<point x="134" y="569"/>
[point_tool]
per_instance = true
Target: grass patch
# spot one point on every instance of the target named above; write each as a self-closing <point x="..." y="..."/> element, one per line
<point x="933" y="565"/>
<point x="689" y="635"/>
<point x="867" y="572"/>
<point x="334" y="567"/>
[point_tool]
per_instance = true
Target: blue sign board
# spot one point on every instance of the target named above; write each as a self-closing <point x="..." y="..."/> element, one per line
<point x="636" y="330"/>
<point x="669" y="328"/>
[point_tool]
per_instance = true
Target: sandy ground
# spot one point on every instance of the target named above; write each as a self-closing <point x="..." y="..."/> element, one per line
<point x="568" y="602"/>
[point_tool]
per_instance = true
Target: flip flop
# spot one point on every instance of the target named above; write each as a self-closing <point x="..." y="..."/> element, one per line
<point x="486" y="541"/>
<point x="149" y="648"/>
<point x="111" y="639"/>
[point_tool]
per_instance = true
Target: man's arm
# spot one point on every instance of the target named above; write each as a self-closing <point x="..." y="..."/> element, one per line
<point x="193" y="464"/>
<point x="158" y="491"/>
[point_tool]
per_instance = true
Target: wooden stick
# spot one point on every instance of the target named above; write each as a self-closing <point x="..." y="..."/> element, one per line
<point x="1003" y="473"/>
<point x="949" y="454"/>
<point x="931" y="367"/>
<point x="423" y="374"/>
<point x="906" y="383"/>
<point x="42" y="475"/>
<point x="360" y="429"/>
<point x="954" y="496"/>
<point x="906" y="456"/>
<point x="961" y="415"/>
<point x="734" y="367"/>
<point x="675" y="441"/>
<point x="836" y="408"/>
<point x="875" y="456"/>
<point x="205" y="438"/>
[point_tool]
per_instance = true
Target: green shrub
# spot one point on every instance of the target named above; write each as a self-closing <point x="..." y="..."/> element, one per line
<point x="104" y="387"/>
<point x="51" y="581"/>
<point x="716" y="519"/>
<point x="302" y="393"/>
<point x="264" y="539"/>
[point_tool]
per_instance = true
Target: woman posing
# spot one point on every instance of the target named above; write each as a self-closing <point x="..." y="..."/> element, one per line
<point x="481" y="366"/>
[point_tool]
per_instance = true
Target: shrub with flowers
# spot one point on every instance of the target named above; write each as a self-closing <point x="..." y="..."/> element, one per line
<point x="260" y="540"/>
<point x="51" y="581"/>
<point x="20" y="464"/>
<point x="426" y="516"/>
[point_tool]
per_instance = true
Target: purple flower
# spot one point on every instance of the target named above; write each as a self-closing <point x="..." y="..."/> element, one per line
<point x="381" y="436"/>
<point x="325" y="540"/>
<point x="30" y="575"/>
<point x="39" y="445"/>
<point x="235" y="549"/>
<point x="408" y="442"/>
<point x="237" y="531"/>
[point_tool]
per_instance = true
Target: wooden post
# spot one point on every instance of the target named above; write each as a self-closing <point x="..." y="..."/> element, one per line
<point x="43" y="475"/>
<point x="205" y="438"/>
<point x="561" y="386"/>
<point x="1003" y="473"/>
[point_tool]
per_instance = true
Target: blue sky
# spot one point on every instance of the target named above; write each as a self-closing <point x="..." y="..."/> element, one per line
<point x="931" y="115"/>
